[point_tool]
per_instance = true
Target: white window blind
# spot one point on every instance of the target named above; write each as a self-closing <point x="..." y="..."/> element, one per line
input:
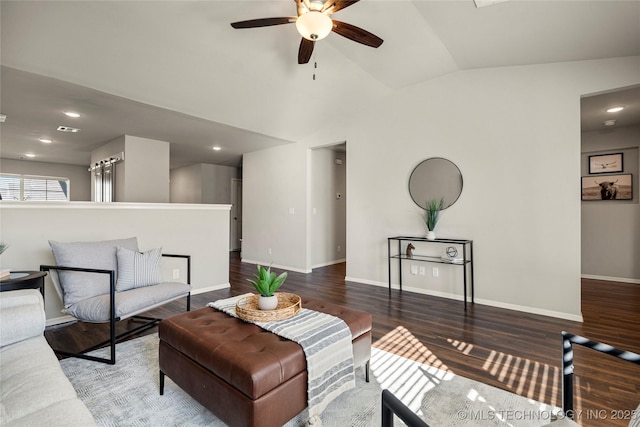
<point x="34" y="188"/>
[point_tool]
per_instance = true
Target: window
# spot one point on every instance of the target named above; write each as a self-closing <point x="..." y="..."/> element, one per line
<point x="33" y="188"/>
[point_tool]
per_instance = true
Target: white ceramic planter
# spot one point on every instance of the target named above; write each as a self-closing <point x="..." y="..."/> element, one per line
<point x="268" y="303"/>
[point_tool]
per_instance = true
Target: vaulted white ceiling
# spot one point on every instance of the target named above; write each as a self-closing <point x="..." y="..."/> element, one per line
<point x="177" y="71"/>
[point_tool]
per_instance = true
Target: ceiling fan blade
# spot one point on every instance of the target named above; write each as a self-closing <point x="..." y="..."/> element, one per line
<point x="332" y="6"/>
<point x="305" y="51"/>
<point x="356" y="34"/>
<point x="301" y="6"/>
<point x="263" y="22"/>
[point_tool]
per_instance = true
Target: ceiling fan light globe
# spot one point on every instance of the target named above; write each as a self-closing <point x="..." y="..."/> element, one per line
<point x="314" y="25"/>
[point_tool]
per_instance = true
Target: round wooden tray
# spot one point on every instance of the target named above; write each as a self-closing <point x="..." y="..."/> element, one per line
<point x="288" y="306"/>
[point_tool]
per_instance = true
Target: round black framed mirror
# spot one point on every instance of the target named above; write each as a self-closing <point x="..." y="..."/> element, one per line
<point x="434" y="179"/>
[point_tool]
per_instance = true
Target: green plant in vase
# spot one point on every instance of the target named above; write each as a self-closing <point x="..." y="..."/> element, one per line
<point x="267" y="283"/>
<point x="432" y="215"/>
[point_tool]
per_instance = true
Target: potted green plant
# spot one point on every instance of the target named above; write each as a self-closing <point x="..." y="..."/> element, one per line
<point x="267" y="283"/>
<point x="432" y="215"/>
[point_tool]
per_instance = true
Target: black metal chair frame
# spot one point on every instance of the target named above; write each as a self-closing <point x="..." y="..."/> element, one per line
<point x="392" y="405"/>
<point x="147" y="322"/>
<point x="567" y="364"/>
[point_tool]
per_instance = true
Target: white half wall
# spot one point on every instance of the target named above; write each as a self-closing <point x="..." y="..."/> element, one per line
<point x="201" y="231"/>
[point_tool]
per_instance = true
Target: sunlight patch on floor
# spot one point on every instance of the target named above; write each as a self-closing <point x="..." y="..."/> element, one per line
<point x="523" y="376"/>
<point x="406" y="367"/>
<point x="403" y="365"/>
<point x="403" y="343"/>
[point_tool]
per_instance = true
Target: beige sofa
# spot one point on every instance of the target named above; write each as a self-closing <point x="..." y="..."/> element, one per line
<point x="33" y="389"/>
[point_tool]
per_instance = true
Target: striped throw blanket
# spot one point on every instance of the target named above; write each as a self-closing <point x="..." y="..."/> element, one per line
<point x="326" y="342"/>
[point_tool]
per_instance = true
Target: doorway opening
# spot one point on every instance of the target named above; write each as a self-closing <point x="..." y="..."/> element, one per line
<point x="328" y="231"/>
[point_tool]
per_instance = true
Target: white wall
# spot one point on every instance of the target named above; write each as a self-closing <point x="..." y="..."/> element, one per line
<point x="515" y="135"/>
<point x="274" y="200"/>
<point x="217" y="182"/>
<point x="201" y="231"/>
<point x="186" y="184"/>
<point x="328" y="213"/>
<point x="611" y="229"/>
<point x="202" y="183"/>
<point x="146" y="166"/>
<point x="143" y="176"/>
<point x="79" y="176"/>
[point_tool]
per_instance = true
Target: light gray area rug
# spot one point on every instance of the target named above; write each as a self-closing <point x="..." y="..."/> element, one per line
<point x="126" y="394"/>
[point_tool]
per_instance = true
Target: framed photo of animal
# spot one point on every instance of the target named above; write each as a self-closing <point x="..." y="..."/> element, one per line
<point x="605" y="163"/>
<point x="610" y="187"/>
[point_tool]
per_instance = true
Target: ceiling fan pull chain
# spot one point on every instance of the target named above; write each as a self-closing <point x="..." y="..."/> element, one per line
<point x="315" y="66"/>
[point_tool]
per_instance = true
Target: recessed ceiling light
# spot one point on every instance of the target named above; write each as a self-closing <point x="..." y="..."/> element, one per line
<point x="609" y="122"/>
<point x="45" y="140"/>
<point x="30" y="155"/>
<point x="67" y="129"/>
<point x="614" y="109"/>
<point x="72" y="114"/>
<point x="217" y="148"/>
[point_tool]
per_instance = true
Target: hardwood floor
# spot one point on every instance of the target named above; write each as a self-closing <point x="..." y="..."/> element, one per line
<point x="515" y="351"/>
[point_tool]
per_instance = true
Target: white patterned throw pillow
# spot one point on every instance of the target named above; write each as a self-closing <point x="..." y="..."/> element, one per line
<point x="138" y="269"/>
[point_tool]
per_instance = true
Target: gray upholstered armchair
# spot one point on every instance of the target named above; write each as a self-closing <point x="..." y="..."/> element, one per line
<point x="110" y="281"/>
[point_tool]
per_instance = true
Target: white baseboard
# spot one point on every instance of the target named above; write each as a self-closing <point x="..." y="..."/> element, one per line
<point x="60" y="320"/>
<point x="328" y="263"/>
<point x="369" y="282"/>
<point x="210" y="288"/>
<point x="283" y="267"/>
<point x="611" y="279"/>
<point x="498" y="304"/>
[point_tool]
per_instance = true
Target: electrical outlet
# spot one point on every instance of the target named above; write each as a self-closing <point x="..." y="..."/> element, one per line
<point x="423" y="271"/>
<point x="339" y="248"/>
<point x="435" y="272"/>
<point x="176" y="273"/>
<point x="414" y="269"/>
<point x="269" y="251"/>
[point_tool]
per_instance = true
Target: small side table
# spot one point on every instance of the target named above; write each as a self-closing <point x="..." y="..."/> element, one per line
<point x="23" y="280"/>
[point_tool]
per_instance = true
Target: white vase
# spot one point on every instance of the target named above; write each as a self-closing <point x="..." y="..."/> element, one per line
<point x="431" y="235"/>
<point x="267" y="303"/>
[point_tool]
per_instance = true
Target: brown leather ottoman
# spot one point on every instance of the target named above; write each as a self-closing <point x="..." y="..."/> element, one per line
<point x="243" y="374"/>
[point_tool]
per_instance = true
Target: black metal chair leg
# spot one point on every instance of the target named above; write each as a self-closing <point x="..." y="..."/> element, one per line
<point x="161" y="383"/>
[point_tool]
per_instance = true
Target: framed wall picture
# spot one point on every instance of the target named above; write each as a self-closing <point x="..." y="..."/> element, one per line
<point x="605" y="163"/>
<point x="610" y="187"/>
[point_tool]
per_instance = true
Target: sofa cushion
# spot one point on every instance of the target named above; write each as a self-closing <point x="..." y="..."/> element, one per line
<point x="31" y="379"/>
<point x="77" y="286"/>
<point x="67" y="413"/>
<point x="128" y="303"/>
<point x="21" y="316"/>
<point x="136" y="269"/>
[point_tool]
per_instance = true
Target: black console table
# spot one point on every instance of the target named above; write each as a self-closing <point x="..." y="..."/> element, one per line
<point x="23" y="280"/>
<point x="466" y="262"/>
